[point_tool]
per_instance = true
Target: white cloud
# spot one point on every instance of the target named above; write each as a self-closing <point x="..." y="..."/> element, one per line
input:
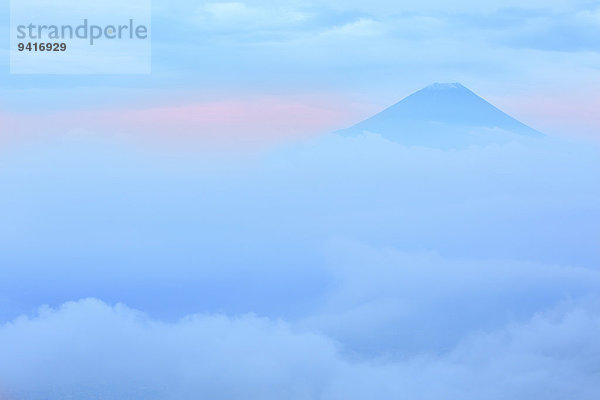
<point x="241" y="17"/>
<point x="88" y="349"/>
<point x="396" y="304"/>
<point x="360" y="27"/>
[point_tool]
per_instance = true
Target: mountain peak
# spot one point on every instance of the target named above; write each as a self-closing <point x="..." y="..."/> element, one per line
<point x="448" y="114"/>
<point x="443" y="86"/>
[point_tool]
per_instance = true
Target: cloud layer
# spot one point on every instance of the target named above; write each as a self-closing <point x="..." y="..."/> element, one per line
<point x="334" y="268"/>
<point x="88" y="349"/>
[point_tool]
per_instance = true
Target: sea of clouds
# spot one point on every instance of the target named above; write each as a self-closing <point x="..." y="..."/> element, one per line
<point x="337" y="268"/>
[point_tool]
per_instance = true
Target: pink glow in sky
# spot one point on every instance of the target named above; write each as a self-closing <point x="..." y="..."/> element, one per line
<point x="247" y="122"/>
<point x="263" y="120"/>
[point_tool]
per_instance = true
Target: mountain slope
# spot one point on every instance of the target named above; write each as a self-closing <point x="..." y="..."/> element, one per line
<point x="443" y="114"/>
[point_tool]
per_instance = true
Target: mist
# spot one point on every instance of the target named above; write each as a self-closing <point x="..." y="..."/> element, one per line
<point x="337" y="267"/>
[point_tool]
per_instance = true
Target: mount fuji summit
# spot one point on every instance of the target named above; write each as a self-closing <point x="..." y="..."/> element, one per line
<point x="446" y="115"/>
